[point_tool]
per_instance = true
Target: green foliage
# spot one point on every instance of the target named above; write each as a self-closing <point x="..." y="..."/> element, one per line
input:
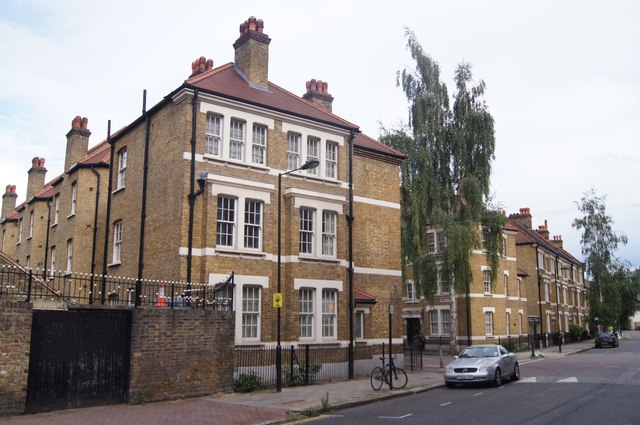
<point x="248" y="382"/>
<point x="510" y="345"/>
<point x="296" y="379"/>
<point x="607" y="274"/>
<point x="446" y="174"/>
<point x="577" y="331"/>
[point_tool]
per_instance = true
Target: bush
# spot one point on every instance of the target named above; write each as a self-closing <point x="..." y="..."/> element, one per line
<point x="248" y="382"/>
<point x="510" y="345"/>
<point x="577" y="331"/>
<point x="297" y="378"/>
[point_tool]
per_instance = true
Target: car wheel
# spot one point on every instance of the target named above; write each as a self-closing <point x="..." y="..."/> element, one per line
<point x="498" y="378"/>
<point x="516" y="373"/>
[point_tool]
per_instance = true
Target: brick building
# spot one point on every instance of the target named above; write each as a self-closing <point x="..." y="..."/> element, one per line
<point x="497" y="310"/>
<point x="556" y="288"/>
<point x="194" y="197"/>
<point x="59" y="227"/>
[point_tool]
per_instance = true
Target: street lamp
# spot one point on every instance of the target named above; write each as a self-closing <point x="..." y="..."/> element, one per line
<point x="313" y="163"/>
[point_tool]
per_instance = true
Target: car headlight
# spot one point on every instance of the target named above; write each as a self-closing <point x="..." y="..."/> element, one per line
<point x="483" y="369"/>
<point x="448" y="369"/>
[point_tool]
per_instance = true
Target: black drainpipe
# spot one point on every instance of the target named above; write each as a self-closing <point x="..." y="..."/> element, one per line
<point x="108" y="218"/>
<point x="143" y="213"/>
<point x="46" y="244"/>
<point x="350" y="270"/>
<point x="95" y="234"/>
<point x="192" y="195"/>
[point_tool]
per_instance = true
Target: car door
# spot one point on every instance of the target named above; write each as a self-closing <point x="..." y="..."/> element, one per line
<point x="508" y="361"/>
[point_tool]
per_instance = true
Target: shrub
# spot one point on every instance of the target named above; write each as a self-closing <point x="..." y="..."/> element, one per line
<point x="248" y="382"/>
<point x="510" y="345"/>
<point x="577" y="331"/>
<point x="296" y="378"/>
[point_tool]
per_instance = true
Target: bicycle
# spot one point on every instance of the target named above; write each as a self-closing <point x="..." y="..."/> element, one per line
<point x="394" y="376"/>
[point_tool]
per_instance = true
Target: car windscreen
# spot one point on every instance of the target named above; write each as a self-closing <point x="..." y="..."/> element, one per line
<point x="479" y="352"/>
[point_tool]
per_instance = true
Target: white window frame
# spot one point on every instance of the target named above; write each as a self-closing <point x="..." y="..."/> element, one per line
<point x="329" y="314"/>
<point x="441" y="241"/>
<point x="506" y="284"/>
<point x="508" y="322"/>
<point x="69" y="255"/>
<point x="226" y="216"/>
<point x="546" y="291"/>
<point x="329" y="233"/>
<point x="293" y="150"/>
<point x="32" y="218"/>
<point x="237" y="139"/>
<point x="359" y="324"/>
<point x="213" y="135"/>
<point x="19" y="231"/>
<point x="252" y="234"/>
<point x="331" y="160"/>
<point x="488" y="323"/>
<point x="321" y="315"/>
<point x="434" y="322"/>
<point x="486" y="280"/>
<point x="410" y="286"/>
<point x="52" y="268"/>
<point x="307" y="231"/>
<point x="56" y="209"/>
<point x="306" y="298"/>
<point x="259" y="144"/>
<point x="313" y="152"/>
<point x="117" y="243"/>
<point x="431" y="242"/>
<point x="445" y="319"/>
<point x="122" y="169"/>
<point x="251" y="312"/>
<point x="74" y="198"/>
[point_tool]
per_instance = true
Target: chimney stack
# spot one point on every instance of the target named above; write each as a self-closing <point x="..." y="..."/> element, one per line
<point x="543" y="230"/>
<point x="557" y="241"/>
<point x="37" y="174"/>
<point x="318" y="94"/>
<point x="200" y="65"/>
<point x="523" y="217"/>
<point x="77" y="142"/>
<point x="252" y="52"/>
<point x="8" y="201"/>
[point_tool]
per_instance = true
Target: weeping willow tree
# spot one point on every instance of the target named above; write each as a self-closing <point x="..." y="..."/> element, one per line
<point x="445" y="178"/>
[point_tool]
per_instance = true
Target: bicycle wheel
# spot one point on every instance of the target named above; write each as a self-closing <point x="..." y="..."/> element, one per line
<point x="399" y="378"/>
<point x="377" y="378"/>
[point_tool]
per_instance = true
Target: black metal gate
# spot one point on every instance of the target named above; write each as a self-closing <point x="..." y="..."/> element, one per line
<point x="78" y="358"/>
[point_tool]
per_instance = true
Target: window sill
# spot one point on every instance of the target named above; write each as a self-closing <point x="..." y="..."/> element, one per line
<point x="240" y="253"/>
<point x="54" y="225"/>
<point x="238" y="163"/>
<point x="318" y="260"/>
<point x="120" y="189"/>
<point x="114" y="264"/>
<point x="70" y="216"/>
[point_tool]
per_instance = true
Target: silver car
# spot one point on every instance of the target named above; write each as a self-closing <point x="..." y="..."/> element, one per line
<point x="482" y="363"/>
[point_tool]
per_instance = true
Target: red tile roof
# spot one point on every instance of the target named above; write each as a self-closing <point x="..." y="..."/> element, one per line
<point x="363" y="297"/>
<point x="227" y="82"/>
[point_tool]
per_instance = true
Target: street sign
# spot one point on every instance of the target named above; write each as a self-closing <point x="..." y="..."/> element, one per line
<point x="277" y="300"/>
<point x="534" y="320"/>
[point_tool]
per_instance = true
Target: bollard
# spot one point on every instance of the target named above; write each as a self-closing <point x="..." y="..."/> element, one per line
<point x="441" y="364"/>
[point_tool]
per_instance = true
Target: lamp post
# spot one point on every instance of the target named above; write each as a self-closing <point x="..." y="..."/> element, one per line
<point x="277" y="298"/>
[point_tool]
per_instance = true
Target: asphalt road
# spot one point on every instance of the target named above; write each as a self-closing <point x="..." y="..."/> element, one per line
<point x="600" y="386"/>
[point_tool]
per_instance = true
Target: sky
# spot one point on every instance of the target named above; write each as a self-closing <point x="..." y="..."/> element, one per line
<point x="562" y="81"/>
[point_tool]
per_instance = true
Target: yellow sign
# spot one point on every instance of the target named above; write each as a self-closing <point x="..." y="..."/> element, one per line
<point x="277" y="300"/>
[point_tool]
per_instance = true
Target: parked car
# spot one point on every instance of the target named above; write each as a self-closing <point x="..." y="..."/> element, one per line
<point x="489" y="363"/>
<point x="610" y="339"/>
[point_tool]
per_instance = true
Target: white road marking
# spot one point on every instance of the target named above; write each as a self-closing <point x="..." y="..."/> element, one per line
<point x="445" y="404"/>
<point x="571" y="379"/>
<point x="395" y="417"/>
<point x="476" y="395"/>
<point x="528" y="380"/>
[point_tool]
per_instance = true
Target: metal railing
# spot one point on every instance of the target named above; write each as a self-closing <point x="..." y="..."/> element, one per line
<point x="27" y="284"/>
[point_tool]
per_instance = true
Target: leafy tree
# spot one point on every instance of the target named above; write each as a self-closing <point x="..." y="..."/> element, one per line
<point x="599" y="242"/>
<point x="446" y="176"/>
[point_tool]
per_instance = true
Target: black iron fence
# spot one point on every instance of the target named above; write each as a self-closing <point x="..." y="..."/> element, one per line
<point x="27" y="284"/>
<point x="306" y="364"/>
